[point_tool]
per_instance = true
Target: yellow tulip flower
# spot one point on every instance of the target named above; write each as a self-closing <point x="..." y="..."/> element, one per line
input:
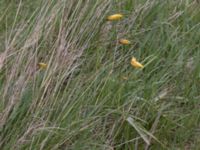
<point x="42" y="65"/>
<point x="135" y="63"/>
<point x="124" y="41"/>
<point x="114" y="17"/>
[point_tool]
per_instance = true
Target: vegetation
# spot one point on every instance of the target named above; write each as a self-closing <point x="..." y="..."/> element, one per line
<point x="68" y="81"/>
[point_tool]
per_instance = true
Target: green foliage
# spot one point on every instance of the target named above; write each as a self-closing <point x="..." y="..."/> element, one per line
<point x="90" y="97"/>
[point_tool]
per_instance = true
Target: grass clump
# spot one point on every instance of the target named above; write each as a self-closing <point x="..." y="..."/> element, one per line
<point x="67" y="82"/>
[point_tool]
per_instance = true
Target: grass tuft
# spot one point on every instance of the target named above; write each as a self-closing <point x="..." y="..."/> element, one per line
<point x="66" y="80"/>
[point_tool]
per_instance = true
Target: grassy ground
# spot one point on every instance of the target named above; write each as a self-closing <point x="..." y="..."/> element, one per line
<point x="89" y="96"/>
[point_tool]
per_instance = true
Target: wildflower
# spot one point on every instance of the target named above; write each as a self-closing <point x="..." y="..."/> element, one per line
<point x="42" y="65"/>
<point x="135" y="63"/>
<point x="124" y="41"/>
<point x="114" y="17"/>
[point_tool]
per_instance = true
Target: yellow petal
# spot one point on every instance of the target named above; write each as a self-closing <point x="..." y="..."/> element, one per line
<point x="124" y="41"/>
<point x="42" y="65"/>
<point x="136" y="64"/>
<point x="115" y="17"/>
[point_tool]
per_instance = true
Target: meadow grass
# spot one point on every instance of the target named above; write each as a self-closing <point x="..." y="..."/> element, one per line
<point x="90" y="96"/>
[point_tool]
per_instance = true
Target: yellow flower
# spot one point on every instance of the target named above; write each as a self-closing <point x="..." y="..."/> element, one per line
<point x="124" y="41"/>
<point x="42" y="65"/>
<point x="114" y="17"/>
<point x="135" y="63"/>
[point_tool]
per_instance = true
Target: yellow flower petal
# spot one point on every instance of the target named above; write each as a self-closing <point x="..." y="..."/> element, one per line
<point x="114" y="17"/>
<point x="135" y="63"/>
<point x="42" y="65"/>
<point x="124" y="41"/>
